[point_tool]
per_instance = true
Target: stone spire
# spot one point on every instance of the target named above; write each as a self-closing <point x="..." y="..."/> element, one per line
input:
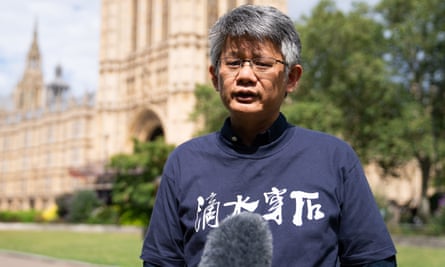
<point x="33" y="60"/>
<point x="28" y="94"/>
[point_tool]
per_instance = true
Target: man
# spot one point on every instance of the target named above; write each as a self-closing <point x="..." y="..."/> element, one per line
<point x="308" y="186"/>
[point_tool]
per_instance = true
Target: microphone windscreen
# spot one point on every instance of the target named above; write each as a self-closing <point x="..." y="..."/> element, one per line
<point x="240" y="240"/>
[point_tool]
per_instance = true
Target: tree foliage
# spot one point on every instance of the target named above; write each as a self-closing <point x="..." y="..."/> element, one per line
<point x="208" y="109"/>
<point x="374" y="77"/>
<point x="136" y="178"/>
<point x="415" y="30"/>
<point x="346" y="89"/>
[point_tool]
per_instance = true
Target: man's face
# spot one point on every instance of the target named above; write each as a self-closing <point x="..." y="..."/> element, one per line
<point x="249" y="90"/>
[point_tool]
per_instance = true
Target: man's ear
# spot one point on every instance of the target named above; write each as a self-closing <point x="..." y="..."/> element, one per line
<point x="214" y="77"/>
<point x="293" y="77"/>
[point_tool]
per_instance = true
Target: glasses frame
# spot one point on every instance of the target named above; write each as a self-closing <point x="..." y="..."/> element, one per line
<point x="253" y="63"/>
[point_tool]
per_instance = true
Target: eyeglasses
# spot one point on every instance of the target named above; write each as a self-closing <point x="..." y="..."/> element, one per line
<point x="258" y="64"/>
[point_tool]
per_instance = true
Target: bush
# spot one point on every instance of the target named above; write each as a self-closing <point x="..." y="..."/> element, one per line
<point x="136" y="179"/>
<point x="104" y="215"/>
<point x="438" y="223"/>
<point x="83" y="203"/>
<point x="19" y="216"/>
<point x="63" y="203"/>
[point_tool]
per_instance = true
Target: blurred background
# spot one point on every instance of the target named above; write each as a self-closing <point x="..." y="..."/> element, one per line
<point x="94" y="95"/>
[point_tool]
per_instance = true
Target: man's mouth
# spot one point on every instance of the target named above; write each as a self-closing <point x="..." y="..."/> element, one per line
<point x="245" y="96"/>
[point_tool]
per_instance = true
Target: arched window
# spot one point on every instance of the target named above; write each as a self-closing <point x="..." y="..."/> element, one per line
<point x="157" y="132"/>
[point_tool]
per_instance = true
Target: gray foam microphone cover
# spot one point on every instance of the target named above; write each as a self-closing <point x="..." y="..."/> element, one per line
<point x="240" y="240"/>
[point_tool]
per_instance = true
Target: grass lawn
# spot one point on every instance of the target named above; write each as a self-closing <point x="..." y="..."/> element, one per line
<point x="122" y="249"/>
<point x="115" y="249"/>
<point x="420" y="256"/>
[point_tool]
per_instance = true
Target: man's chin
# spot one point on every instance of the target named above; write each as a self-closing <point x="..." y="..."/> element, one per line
<point x="247" y="111"/>
<point x="245" y="108"/>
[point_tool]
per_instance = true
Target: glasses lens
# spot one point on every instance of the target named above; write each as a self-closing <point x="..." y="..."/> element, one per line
<point x="263" y="63"/>
<point x="259" y="64"/>
<point x="232" y="62"/>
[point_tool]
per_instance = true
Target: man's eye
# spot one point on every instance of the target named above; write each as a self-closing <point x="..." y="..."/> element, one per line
<point x="263" y="63"/>
<point x="233" y="63"/>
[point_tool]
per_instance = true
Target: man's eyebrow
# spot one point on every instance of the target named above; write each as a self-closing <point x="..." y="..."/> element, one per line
<point x="236" y="53"/>
<point x="230" y="52"/>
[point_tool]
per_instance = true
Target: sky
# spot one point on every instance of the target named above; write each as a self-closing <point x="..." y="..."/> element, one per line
<point x="68" y="35"/>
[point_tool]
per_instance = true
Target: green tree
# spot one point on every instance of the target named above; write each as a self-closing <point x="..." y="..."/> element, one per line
<point x="345" y="88"/>
<point x="136" y="179"/>
<point x="208" y="111"/>
<point x="415" y="30"/>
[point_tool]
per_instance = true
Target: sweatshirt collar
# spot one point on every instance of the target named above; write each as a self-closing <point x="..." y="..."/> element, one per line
<point x="267" y="137"/>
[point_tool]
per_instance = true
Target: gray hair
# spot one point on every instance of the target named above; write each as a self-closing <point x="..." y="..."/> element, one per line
<point x="258" y="22"/>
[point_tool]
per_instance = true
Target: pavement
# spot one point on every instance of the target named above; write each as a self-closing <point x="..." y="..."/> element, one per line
<point x="18" y="259"/>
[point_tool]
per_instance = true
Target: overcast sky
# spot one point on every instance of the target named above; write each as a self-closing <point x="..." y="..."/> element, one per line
<point x="68" y="34"/>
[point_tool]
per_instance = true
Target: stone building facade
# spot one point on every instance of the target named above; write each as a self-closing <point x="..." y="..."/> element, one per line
<point x="44" y="137"/>
<point x="152" y="55"/>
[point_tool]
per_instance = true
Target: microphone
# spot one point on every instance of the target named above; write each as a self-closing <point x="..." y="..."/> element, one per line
<point x="242" y="240"/>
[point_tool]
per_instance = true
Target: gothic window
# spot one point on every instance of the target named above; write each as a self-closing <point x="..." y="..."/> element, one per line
<point x="76" y="129"/>
<point x="149" y="17"/>
<point x="25" y="162"/>
<point x="75" y="156"/>
<point x="50" y="134"/>
<point x="21" y="100"/>
<point x="26" y="138"/>
<point x="48" y="159"/>
<point x="231" y="4"/>
<point x="23" y="185"/>
<point x="165" y="15"/>
<point x="4" y="166"/>
<point x="48" y="184"/>
<point x="212" y="12"/>
<point x="157" y="132"/>
<point x="134" y="26"/>
<point x="5" y="143"/>
<point x="32" y="98"/>
<point x="130" y="86"/>
<point x="32" y="203"/>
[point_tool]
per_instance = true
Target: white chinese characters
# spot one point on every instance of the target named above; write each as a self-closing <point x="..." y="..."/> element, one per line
<point x="306" y="204"/>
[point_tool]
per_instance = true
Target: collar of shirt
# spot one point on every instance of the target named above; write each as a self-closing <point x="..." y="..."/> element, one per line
<point x="267" y="137"/>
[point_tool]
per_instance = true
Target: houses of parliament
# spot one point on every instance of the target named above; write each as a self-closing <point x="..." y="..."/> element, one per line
<point x="152" y="54"/>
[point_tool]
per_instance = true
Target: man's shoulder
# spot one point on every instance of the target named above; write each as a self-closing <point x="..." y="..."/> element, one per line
<point x="308" y="135"/>
<point x="198" y="143"/>
<point x="210" y="137"/>
<point x="322" y="142"/>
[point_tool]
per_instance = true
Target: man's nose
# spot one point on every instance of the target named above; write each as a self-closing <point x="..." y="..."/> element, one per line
<point x="244" y="61"/>
<point x="247" y="73"/>
<point x="247" y="63"/>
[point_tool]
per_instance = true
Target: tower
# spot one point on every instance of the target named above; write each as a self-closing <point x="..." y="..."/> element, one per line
<point x="57" y="89"/>
<point x="153" y="53"/>
<point x="29" y="92"/>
